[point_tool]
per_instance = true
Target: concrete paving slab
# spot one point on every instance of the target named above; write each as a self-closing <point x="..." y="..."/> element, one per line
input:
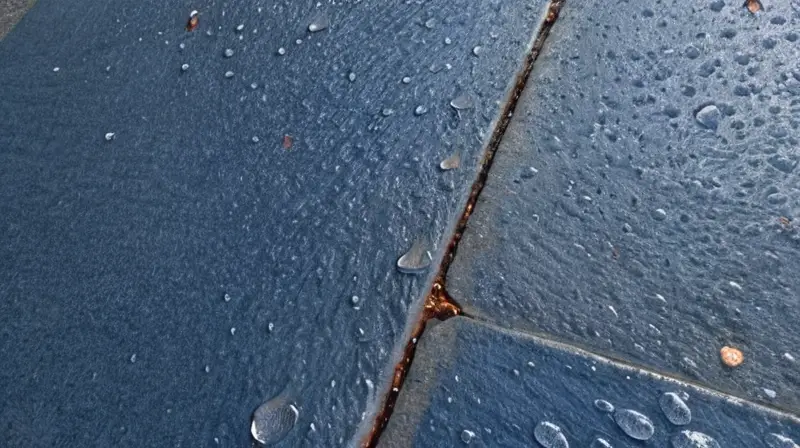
<point x="196" y="223"/>
<point x="476" y="385"/>
<point x="645" y="201"/>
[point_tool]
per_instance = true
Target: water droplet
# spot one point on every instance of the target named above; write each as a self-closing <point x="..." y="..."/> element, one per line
<point x="604" y="406"/>
<point x="254" y="86"/>
<point x="319" y="24"/>
<point x="452" y="162"/>
<point x="351" y="77"/>
<point x="240" y="27"/>
<point x="693" y="439"/>
<point x="355" y="300"/>
<point x="461" y="102"/>
<point x="255" y="139"/>
<point x="406" y="80"/>
<point x="110" y="136"/>
<point x="55" y="69"/>
<point x="774" y="440"/>
<point x="273" y="420"/>
<point x="184" y="67"/>
<point x="476" y="50"/>
<point x="387" y="112"/>
<point x="420" y="110"/>
<point x="601" y="443"/>
<point x="430" y="23"/>
<point x="229" y="74"/>
<point x="447" y="41"/>
<point x="281" y="51"/>
<point x="416" y="260"/>
<point x="133" y="357"/>
<point x="550" y="436"/>
<point x="659" y="214"/>
<point x="675" y="409"/>
<point x="467" y="436"/>
<point x="228" y="52"/>
<point x="634" y="424"/>
<point x="227" y="297"/>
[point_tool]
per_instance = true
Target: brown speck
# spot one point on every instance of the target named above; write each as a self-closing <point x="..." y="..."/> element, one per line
<point x="753" y="6"/>
<point x="785" y="222"/>
<point x="194" y="19"/>
<point x="287" y="142"/>
<point x="615" y="253"/>
<point x="731" y="357"/>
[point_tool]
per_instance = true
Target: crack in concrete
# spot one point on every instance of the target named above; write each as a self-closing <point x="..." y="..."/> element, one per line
<point x="438" y="303"/>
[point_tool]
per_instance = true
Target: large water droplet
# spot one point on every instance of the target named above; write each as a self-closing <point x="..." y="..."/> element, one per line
<point x="694" y="439"/>
<point x="634" y="424"/>
<point x="319" y="24"/>
<point x="416" y="260"/>
<point x="774" y="440"/>
<point x="461" y="102"/>
<point x="273" y="420"/>
<point x="420" y="110"/>
<point x="601" y="443"/>
<point x="467" y="436"/>
<point x="451" y="163"/>
<point x="550" y="436"/>
<point x="604" y="406"/>
<point x="675" y="409"/>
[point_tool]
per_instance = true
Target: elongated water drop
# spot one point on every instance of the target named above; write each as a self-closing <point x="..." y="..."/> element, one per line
<point x="675" y="409"/>
<point x="273" y="420"/>
<point x="634" y="424"/>
<point x="319" y="24"/>
<point x="550" y="436"/>
<point x="416" y="260"/>
<point x="461" y="102"/>
<point x="451" y="163"/>
<point x="604" y="406"/>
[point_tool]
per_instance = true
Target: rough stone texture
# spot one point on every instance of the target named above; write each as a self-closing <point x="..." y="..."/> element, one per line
<point x="613" y="220"/>
<point x="500" y="385"/>
<point x="117" y="254"/>
<point x="11" y="11"/>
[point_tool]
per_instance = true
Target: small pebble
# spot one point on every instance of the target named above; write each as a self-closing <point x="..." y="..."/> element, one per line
<point x="228" y="52"/>
<point x="476" y="51"/>
<point x="110" y="136"/>
<point x="184" y="67"/>
<point x="229" y="74"/>
<point x="770" y="393"/>
<point x="240" y="27"/>
<point x="281" y="51"/>
<point x="420" y="110"/>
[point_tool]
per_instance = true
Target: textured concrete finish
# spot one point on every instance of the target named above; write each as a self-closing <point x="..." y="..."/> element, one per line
<point x="472" y="384"/>
<point x="187" y="232"/>
<point x="645" y="202"/>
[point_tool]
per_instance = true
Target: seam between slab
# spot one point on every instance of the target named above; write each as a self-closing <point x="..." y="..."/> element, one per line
<point x="548" y="341"/>
<point x="438" y="304"/>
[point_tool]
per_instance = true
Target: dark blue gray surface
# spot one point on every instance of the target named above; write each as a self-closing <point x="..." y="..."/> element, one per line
<point x="117" y="255"/>
<point x="500" y="385"/>
<point x="615" y="220"/>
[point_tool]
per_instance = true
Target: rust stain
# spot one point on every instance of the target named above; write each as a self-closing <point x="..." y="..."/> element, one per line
<point x="287" y="142"/>
<point x="438" y="303"/>
<point x="753" y="6"/>
<point x="194" y="19"/>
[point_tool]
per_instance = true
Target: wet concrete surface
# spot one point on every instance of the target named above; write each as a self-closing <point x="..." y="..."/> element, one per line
<point x="644" y="201"/>
<point x="180" y="245"/>
<point x="476" y="385"/>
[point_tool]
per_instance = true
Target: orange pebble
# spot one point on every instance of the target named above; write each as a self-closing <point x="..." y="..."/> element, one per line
<point x="731" y="357"/>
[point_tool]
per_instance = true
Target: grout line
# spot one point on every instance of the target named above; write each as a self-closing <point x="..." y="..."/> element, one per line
<point x="549" y="341"/>
<point x="438" y="303"/>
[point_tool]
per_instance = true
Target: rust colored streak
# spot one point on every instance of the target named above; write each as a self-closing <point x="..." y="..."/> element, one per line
<point x="193" y="21"/>
<point x="438" y="304"/>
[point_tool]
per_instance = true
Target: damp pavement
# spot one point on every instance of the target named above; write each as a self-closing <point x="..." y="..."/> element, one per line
<point x="222" y="235"/>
